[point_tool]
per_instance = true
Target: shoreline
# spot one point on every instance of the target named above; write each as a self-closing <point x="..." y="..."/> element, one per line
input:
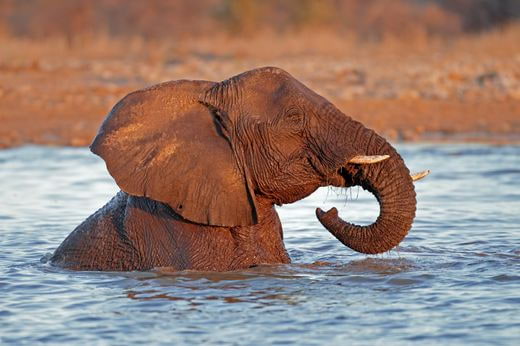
<point x="51" y="94"/>
<point x="75" y="123"/>
<point x="62" y="129"/>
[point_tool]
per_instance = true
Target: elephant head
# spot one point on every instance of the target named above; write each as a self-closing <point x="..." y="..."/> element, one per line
<point x="211" y="150"/>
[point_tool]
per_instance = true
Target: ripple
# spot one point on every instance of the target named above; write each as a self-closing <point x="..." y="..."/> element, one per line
<point x="505" y="277"/>
<point x="456" y="272"/>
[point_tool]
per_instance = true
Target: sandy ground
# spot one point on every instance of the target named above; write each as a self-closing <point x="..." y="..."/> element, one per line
<point x="468" y="90"/>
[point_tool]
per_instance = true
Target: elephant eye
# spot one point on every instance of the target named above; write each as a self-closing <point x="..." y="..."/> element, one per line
<point x="295" y="118"/>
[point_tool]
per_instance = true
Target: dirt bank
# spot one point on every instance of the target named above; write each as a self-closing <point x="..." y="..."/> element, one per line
<point x="469" y="89"/>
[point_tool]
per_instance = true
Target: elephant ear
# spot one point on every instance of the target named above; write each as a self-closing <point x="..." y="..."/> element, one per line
<point x="163" y="144"/>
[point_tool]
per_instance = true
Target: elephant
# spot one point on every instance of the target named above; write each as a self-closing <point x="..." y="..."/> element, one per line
<point x="201" y="165"/>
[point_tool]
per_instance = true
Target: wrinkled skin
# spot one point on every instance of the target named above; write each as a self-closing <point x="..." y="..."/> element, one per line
<point x="201" y="166"/>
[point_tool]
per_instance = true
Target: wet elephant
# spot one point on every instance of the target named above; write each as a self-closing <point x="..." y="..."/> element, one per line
<point x="201" y="165"/>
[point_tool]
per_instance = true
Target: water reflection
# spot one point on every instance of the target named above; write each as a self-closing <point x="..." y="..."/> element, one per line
<point x="150" y="295"/>
<point x="380" y="266"/>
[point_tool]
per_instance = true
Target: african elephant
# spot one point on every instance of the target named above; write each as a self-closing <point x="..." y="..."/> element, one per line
<point x="201" y="165"/>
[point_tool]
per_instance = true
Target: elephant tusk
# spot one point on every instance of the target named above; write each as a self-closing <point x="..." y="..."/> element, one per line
<point x="419" y="175"/>
<point x="361" y="159"/>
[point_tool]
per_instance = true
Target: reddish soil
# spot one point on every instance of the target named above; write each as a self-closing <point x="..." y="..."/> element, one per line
<point x="466" y="89"/>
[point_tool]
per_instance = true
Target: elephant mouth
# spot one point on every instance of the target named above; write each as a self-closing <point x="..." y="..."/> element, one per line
<point x="346" y="176"/>
<point x="342" y="177"/>
<point x="350" y="173"/>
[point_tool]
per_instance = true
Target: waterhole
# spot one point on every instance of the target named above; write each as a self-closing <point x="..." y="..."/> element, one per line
<point x="453" y="280"/>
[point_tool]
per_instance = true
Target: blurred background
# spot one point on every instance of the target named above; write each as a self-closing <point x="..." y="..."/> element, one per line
<point x="414" y="70"/>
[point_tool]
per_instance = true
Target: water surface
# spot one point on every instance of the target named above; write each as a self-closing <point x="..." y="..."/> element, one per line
<point x="454" y="280"/>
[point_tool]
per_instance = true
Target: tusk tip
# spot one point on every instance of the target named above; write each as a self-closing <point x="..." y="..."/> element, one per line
<point x="363" y="159"/>
<point x="420" y="175"/>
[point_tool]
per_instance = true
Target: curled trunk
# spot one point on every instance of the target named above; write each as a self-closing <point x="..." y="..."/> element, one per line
<point x="391" y="184"/>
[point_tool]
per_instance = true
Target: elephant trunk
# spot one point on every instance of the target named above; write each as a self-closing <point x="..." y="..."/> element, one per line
<point x="390" y="182"/>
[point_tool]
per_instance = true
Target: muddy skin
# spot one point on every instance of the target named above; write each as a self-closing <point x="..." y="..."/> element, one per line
<point x="202" y="164"/>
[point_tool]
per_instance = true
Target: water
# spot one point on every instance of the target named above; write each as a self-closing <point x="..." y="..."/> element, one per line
<point x="454" y="280"/>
